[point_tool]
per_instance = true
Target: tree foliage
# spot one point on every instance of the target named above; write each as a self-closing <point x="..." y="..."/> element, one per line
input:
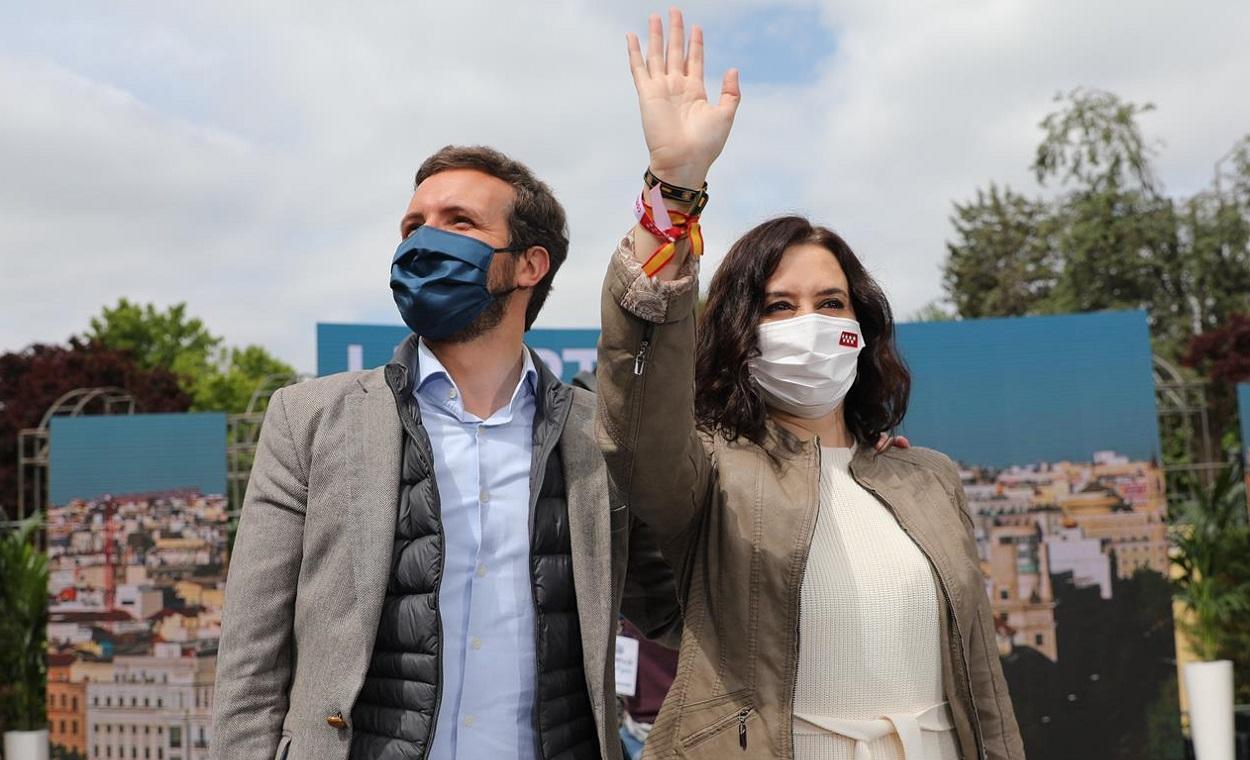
<point x="1095" y="143"/>
<point x="166" y="339"/>
<point x="236" y="376"/>
<point x="1002" y="262"/>
<point x="23" y="621"/>
<point x="1222" y="356"/>
<point x="1223" y="353"/>
<point x="1108" y="237"/>
<point x="217" y="378"/>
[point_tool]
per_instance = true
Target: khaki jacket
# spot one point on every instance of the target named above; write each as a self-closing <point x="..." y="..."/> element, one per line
<point x="735" y="520"/>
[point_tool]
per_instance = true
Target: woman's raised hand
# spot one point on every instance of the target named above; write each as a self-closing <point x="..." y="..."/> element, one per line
<point x="684" y="132"/>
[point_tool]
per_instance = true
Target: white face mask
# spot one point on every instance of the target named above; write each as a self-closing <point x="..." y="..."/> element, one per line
<point x="807" y="364"/>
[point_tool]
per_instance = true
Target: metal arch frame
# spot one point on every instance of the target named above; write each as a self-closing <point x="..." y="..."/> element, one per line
<point x="33" y="444"/>
<point x="1186" y="400"/>
<point x="243" y="435"/>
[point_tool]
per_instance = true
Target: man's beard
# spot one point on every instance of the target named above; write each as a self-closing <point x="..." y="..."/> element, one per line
<point x="488" y="320"/>
<point x="492" y="315"/>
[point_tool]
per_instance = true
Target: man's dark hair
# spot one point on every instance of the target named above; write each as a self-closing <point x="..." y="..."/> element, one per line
<point x="536" y="217"/>
<point x="726" y="400"/>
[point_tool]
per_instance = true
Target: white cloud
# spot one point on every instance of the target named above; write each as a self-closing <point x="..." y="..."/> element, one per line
<point x="253" y="159"/>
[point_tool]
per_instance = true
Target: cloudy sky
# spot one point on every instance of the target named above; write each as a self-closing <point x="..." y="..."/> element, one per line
<point x="253" y="159"/>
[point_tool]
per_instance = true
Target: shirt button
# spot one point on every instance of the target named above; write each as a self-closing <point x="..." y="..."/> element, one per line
<point x="476" y="643"/>
<point x="484" y="496"/>
<point x="481" y="571"/>
<point x="452" y="393"/>
<point x="469" y="720"/>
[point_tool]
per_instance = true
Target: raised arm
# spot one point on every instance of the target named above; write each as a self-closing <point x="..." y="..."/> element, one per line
<point x="658" y="465"/>
<point x="684" y="132"/>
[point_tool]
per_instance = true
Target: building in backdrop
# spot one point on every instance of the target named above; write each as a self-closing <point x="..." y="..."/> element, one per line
<point x="1053" y="423"/>
<point x="137" y="551"/>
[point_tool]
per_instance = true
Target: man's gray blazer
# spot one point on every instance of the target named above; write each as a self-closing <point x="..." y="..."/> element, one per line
<point x="312" y="556"/>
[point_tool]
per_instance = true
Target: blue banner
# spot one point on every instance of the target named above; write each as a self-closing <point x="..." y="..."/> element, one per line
<point x="137" y="453"/>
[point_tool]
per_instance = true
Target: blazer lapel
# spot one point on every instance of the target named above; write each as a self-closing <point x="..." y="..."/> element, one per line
<point x="376" y="461"/>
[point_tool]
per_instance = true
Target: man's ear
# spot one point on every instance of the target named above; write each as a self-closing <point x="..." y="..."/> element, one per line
<point x="532" y="266"/>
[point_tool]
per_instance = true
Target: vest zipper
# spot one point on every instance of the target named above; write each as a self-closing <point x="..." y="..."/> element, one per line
<point x="544" y="454"/>
<point x="742" y="727"/>
<point x="409" y="422"/>
<point x="950" y="608"/>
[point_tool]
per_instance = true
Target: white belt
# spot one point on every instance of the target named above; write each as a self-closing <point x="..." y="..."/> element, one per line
<point x="907" y="725"/>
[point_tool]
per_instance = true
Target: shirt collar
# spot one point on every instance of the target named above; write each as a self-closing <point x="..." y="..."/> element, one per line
<point x="430" y="369"/>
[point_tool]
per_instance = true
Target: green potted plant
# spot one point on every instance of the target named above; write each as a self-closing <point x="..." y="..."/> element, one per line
<point x="23" y="626"/>
<point x="1212" y="541"/>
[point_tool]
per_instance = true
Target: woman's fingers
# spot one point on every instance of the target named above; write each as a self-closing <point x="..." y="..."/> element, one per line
<point x="694" y="64"/>
<point x="886" y="442"/>
<point x="676" y="42"/>
<point x="636" y="64"/>
<point x="730" y="92"/>
<point x="655" y="46"/>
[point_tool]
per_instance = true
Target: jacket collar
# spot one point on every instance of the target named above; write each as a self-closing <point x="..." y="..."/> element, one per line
<point x="867" y="466"/>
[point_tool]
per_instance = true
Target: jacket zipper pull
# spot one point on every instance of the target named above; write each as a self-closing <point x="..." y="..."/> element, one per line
<point x="742" y="728"/>
<point x="644" y="348"/>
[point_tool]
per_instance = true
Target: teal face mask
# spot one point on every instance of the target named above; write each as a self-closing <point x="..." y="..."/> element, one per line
<point x="439" y="280"/>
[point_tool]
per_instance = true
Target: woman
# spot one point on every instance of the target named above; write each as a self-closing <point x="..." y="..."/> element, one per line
<point x="834" y="606"/>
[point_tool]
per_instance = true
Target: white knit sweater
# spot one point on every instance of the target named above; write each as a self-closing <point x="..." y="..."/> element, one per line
<point x="869" y="637"/>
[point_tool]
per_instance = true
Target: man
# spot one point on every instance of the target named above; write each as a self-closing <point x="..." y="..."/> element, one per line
<point x="427" y="564"/>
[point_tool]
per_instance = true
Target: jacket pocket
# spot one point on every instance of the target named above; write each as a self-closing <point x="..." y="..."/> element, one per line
<point x="284" y="747"/>
<point x="730" y="735"/>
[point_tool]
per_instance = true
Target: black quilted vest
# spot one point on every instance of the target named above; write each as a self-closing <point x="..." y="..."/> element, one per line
<point x="395" y="712"/>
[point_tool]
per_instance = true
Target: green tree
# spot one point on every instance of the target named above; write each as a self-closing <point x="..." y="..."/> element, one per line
<point x="1094" y="143"/>
<point x="1001" y="262"/>
<point x="1215" y="231"/>
<point x="933" y="311"/>
<point x="217" y="378"/>
<point x="235" y="377"/>
<point x="1118" y="236"/>
<point x="166" y="339"/>
<point x="1109" y="238"/>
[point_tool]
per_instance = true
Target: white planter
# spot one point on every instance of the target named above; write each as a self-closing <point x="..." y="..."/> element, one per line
<point x="26" y="745"/>
<point x="1210" y="689"/>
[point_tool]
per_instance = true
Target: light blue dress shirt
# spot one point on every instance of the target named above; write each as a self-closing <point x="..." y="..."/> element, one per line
<point x="485" y="597"/>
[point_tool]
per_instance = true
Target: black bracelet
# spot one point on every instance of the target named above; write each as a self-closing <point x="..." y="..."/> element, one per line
<point x="696" y="198"/>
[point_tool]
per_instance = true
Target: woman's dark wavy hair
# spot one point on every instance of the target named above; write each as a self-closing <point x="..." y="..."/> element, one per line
<point x="726" y="401"/>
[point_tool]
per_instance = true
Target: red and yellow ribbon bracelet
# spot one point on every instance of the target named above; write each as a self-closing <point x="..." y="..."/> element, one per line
<point x="670" y="226"/>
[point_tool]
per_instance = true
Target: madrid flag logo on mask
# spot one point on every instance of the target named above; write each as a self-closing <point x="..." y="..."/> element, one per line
<point x="806" y="365"/>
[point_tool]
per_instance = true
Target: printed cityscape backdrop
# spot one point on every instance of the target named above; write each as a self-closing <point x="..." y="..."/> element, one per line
<point x="137" y="542"/>
<point x="1054" y="424"/>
